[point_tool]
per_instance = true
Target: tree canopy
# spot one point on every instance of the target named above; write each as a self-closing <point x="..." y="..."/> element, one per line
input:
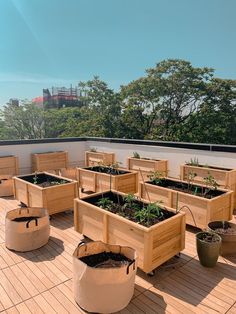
<point x="174" y="101"/>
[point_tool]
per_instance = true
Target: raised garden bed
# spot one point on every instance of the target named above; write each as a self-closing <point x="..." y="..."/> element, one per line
<point x="96" y="158"/>
<point x="147" y="166"/>
<point x="99" y="179"/>
<point x="52" y="192"/>
<point x="8" y="168"/>
<point x="200" y="203"/>
<point x="49" y="161"/>
<point x="155" y="242"/>
<point x="225" y="177"/>
<point x="9" y="165"/>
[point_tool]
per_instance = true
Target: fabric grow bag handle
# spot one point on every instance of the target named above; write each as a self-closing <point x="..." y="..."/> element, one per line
<point x="23" y="208"/>
<point x="131" y="263"/>
<point x="28" y="222"/>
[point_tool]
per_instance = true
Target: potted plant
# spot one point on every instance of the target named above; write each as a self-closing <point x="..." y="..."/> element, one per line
<point x="102" y="177"/>
<point x="49" y="161"/>
<point x="208" y="248"/>
<point x="94" y="158"/>
<point x="227" y="231"/>
<point x="155" y="231"/>
<point x="147" y="165"/>
<point x="201" y="203"/>
<point x="52" y="192"/>
<point x="225" y="177"/>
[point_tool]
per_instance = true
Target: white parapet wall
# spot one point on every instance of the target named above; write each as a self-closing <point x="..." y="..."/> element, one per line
<point x="175" y="156"/>
<point x="23" y="151"/>
<point x="76" y="150"/>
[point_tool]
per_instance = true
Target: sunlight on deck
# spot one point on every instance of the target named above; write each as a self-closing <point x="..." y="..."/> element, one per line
<point x="41" y="281"/>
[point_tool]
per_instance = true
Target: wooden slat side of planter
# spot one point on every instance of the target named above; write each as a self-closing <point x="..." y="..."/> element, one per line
<point x="9" y="165"/>
<point x="147" y="167"/>
<point x="95" y="158"/>
<point x="55" y="199"/>
<point x="99" y="224"/>
<point x="49" y="161"/>
<point x="99" y="182"/>
<point x="202" y="209"/>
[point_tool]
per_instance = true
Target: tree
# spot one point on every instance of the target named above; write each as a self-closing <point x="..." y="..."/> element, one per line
<point x="23" y="121"/>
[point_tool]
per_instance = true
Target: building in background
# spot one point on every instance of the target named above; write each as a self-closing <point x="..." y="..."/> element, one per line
<point x="59" y="97"/>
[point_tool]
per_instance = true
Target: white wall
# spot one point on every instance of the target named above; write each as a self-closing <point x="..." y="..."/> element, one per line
<point x="75" y="151"/>
<point x="175" y="156"/>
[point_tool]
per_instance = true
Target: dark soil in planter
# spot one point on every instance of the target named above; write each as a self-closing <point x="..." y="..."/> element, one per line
<point x="107" y="170"/>
<point x="210" y="167"/>
<point x="23" y="219"/>
<point x="145" y="158"/>
<point x="222" y="228"/>
<point x="106" y="260"/>
<point x="208" y="237"/>
<point x="44" y="180"/>
<point x="188" y="188"/>
<point x="129" y="212"/>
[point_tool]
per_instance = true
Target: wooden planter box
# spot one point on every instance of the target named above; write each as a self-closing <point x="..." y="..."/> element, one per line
<point x="55" y="199"/>
<point x="154" y="245"/>
<point x="226" y="178"/>
<point x="9" y="165"/>
<point x="96" y="158"/>
<point x="204" y="210"/>
<point x="98" y="182"/>
<point x="49" y="161"/>
<point x="147" y="166"/>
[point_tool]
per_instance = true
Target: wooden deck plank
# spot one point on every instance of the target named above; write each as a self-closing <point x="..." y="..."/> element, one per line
<point x="41" y="281"/>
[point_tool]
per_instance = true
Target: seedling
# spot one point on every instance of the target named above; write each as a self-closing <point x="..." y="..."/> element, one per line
<point x="148" y="213"/>
<point x="136" y="155"/>
<point x="193" y="162"/>
<point x="35" y="178"/>
<point x="156" y="177"/>
<point x="93" y="149"/>
<point x="210" y="183"/>
<point x="105" y="203"/>
<point x="190" y="178"/>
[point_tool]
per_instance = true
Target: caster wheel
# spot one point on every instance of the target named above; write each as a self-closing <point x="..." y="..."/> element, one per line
<point x="151" y="273"/>
<point x="178" y="255"/>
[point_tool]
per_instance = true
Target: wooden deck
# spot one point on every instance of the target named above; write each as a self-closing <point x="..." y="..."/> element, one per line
<point x="41" y="281"/>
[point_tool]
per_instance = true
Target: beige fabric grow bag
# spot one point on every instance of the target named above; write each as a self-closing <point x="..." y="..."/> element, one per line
<point x="6" y="185"/>
<point x="103" y="290"/>
<point x="27" y="235"/>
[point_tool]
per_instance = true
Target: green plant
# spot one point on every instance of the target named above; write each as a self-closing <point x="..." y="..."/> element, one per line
<point x="93" y="149"/>
<point x="148" y="213"/>
<point x="210" y="183"/>
<point x="130" y="201"/>
<point x="35" y="178"/>
<point x="193" y="162"/>
<point x="156" y="177"/>
<point x="136" y="155"/>
<point x="190" y="177"/>
<point x="57" y="182"/>
<point x="104" y="203"/>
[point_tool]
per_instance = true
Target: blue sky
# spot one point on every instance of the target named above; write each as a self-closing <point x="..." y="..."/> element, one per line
<point x="59" y="42"/>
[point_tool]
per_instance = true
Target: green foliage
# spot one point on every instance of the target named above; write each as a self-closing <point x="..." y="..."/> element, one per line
<point x="193" y="162"/>
<point x="136" y="155"/>
<point x="156" y="177"/>
<point x="210" y="183"/>
<point x="93" y="149"/>
<point x="105" y="203"/>
<point x="149" y="212"/>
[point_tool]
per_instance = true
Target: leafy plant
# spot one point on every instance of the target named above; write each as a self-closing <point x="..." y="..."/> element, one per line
<point x="57" y="182"/>
<point x="130" y="201"/>
<point x="93" y="149"/>
<point x="136" y="155"/>
<point x="35" y="178"/>
<point x="210" y="183"/>
<point x="148" y="213"/>
<point x="193" y="162"/>
<point x="104" y="203"/>
<point x="190" y="177"/>
<point x="156" y="177"/>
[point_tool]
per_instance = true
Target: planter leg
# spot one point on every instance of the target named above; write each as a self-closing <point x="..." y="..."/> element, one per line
<point x="151" y="273"/>
<point x="22" y="205"/>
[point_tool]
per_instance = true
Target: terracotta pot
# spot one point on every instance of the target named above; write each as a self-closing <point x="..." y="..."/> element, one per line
<point x="228" y="246"/>
<point x="26" y="229"/>
<point x="103" y="290"/>
<point x="208" y="252"/>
